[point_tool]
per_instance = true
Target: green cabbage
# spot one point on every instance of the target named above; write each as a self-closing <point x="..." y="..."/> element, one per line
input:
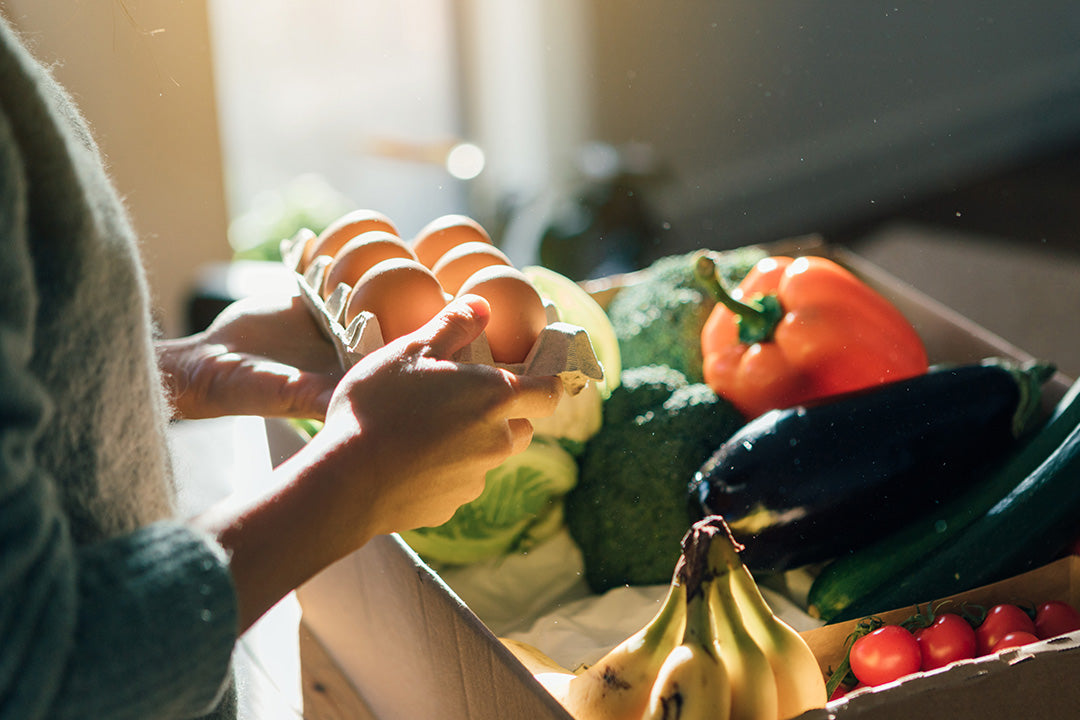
<point x="576" y="419"/>
<point x="577" y="307"/>
<point x="521" y="505"/>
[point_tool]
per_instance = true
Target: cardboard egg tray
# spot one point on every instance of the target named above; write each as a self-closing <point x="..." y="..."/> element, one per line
<point x="561" y="349"/>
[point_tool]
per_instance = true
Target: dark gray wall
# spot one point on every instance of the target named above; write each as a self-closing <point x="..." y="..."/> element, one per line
<point x="780" y="117"/>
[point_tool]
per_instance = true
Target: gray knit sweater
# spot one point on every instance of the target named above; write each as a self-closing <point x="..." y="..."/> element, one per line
<point x="108" y="608"/>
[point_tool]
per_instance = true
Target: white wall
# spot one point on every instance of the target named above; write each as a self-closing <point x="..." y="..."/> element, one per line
<point x="141" y="72"/>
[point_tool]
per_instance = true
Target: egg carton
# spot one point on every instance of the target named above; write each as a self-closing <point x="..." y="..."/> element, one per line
<point x="561" y="349"/>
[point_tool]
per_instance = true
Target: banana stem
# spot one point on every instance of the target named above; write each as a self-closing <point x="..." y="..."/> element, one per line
<point x="724" y="557"/>
<point x="724" y="551"/>
<point x="695" y="574"/>
<point x="752" y="601"/>
<point x="699" y="626"/>
<point x="730" y="628"/>
<point x="694" y="563"/>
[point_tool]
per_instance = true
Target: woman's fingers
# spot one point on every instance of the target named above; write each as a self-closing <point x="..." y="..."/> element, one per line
<point x="534" y="395"/>
<point x="521" y="433"/>
<point x="459" y="323"/>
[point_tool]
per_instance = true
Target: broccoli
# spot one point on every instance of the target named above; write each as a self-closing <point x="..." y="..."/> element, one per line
<point x="642" y="389"/>
<point x="631" y="505"/>
<point x="658" y="318"/>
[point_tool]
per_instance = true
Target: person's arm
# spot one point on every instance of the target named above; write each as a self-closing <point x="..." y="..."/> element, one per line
<point x="408" y="438"/>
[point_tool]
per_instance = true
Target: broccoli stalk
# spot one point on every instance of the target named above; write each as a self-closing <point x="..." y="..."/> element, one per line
<point x="630" y="507"/>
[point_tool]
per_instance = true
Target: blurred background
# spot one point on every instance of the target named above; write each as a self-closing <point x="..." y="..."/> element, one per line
<point x="592" y="135"/>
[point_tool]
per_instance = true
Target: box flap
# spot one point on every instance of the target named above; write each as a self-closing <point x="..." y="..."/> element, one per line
<point x="1027" y="683"/>
<point x="411" y="648"/>
<point x="974" y="688"/>
<point x="1060" y="580"/>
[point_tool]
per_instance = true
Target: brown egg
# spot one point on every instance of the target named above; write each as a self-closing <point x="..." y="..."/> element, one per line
<point x="443" y="233"/>
<point x="342" y="230"/>
<point x="402" y="294"/>
<point x="461" y="261"/>
<point x="517" y="311"/>
<point x="308" y="238"/>
<point x="360" y="254"/>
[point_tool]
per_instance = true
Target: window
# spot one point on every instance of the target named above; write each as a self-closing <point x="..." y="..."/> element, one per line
<point x="336" y="105"/>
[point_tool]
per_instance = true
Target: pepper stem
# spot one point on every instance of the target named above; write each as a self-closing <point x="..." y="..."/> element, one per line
<point x="756" y="319"/>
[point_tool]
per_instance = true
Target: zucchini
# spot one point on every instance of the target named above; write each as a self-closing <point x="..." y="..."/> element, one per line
<point x="1021" y="518"/>
<point x="805" y="484"/>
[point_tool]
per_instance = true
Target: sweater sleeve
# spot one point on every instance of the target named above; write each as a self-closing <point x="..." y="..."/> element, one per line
<point x="138" y="626"/>
<point x="144" y="621"/>
<point x="142" y="625"/>
<point x="155" y="627"/>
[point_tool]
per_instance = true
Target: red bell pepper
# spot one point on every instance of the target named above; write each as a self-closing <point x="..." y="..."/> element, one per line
<point x="802" y="329"/>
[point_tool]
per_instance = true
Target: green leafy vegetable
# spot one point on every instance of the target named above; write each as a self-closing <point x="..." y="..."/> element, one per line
<point x="521" y="505"/>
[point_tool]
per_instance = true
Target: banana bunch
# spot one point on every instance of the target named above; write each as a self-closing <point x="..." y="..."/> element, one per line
<point x="714" y="650"/>
<point x="695" y="680"/>
<point x="797" y="676"/>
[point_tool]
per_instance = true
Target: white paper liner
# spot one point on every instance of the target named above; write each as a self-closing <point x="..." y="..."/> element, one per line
<point x="583" y="631"/>
<point x="541" y="598"/>
<point x="561" y="349"/>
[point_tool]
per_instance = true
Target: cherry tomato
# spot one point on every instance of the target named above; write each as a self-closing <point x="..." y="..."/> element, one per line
<point x="947" y="639"/>
<point x="885" y="654"/>
<point x="842" y="690"/>
<point x="1000" y="621"/>
<point x="1014" y="639"/>
<point x="1055" y="618"/>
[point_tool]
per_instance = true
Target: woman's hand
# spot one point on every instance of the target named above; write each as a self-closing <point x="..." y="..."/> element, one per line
<point x="423" y="429"/>
<point x="408" y="438"/>
<point x="260" y="356"/>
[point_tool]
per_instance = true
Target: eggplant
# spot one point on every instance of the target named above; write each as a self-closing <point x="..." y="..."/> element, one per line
<point x="804" y="484"/>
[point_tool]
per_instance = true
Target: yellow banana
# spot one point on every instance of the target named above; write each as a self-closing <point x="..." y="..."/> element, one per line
<point x="753" y="685"/>
<point x="554" y="677"/>
<point x="533" y="658"/>
<point x="800" y="684"/>
<point x="693" y="681"/>
<point x="617" y="686"/>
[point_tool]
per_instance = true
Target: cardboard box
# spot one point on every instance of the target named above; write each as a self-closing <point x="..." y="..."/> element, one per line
<point x="384" y="637"/>
<point x="1034" y="681"/>
<point x="1059" y="580"/>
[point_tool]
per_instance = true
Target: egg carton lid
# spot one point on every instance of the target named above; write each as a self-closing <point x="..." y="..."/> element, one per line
<point x="561" y="349"/>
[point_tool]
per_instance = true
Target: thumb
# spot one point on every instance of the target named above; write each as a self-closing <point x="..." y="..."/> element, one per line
<point x="459" y="323"/>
